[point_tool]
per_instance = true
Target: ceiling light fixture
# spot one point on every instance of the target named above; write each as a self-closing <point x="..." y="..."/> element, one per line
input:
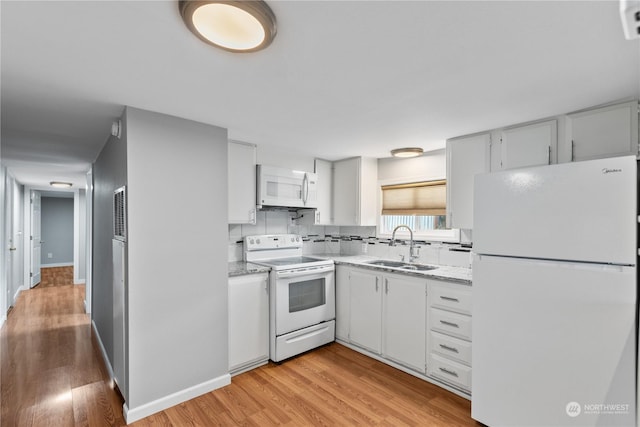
<point x="233" y="25"/>
<point x="407" y="152"/>
<point x="60" y="184"/>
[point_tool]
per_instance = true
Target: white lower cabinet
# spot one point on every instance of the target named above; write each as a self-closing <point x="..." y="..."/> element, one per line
<point x="248" y="322"/>
<point x="386" y="314"/>
<point x="365" y="309"/>
<point x="449" y="333"/>
<point x="404" y="320"/>
<point x="420" y="325"/>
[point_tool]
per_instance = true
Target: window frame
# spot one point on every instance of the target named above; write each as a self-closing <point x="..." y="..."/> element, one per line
<point x="449" y="236"/>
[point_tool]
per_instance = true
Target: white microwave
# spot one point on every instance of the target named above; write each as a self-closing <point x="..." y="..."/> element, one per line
<point x="279" y="187"/>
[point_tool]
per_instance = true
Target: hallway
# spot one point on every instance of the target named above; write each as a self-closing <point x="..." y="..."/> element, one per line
<point x="50" y="373"/>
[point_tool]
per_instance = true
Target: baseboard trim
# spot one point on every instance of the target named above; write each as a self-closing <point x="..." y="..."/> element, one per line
<point x="59" y="264"/>
<point x="79" y="282"/>
<point x="135" y="414"/>
<point x="20" y="289"/>
<point x="103" y="352"/>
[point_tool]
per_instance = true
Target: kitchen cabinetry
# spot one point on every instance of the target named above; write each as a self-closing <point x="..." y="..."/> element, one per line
<point x="466" y="157"/>
<point x="241" y="183"/>
<point x="365" y="309"/>
<point x="355" y="191"/>
<point x="323" y="214"/>
<point x="602" y="132"/>
<point x="404" y="320"/>
<point x="530" y="145"/>
<point x="343" y="300"/>
<point x="449" y="333"/>
<point x="248" y="321"/>
<point x="386" y="312"/>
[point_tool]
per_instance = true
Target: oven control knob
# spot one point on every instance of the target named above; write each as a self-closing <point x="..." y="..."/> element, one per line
<point x="292" y="239"/>
<point x="251" y="241"/>
<point x="297" y="239"/>
<point x="258" y="241"/>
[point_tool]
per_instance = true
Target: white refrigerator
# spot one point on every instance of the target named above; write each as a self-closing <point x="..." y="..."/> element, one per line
<point x="555" y="295"/>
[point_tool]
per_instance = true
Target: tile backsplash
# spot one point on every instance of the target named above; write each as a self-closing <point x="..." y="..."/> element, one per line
<point x="343" y="241"/>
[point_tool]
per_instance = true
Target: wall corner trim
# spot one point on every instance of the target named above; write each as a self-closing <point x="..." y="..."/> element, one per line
<point x="135" y="414"/>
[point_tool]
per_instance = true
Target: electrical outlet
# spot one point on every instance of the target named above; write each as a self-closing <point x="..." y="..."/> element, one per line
<point x="49" y="255"/>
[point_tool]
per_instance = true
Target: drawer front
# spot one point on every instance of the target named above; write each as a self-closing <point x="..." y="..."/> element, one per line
<point x="450" y="347"/>
<point x="457" y="325"/>
<point x="449" y="371"/>
<point x="456" y="298"/>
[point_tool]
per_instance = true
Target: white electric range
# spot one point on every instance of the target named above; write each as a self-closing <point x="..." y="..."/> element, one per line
<point x="301" y="294"/>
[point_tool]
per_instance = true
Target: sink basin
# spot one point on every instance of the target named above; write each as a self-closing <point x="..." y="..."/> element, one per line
<point x="385" y="263"/>
<point x="417" y="267"/>
<point x="401" y="265"/>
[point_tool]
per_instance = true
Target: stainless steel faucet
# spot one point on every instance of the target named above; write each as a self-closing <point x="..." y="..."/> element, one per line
<point x="412" y="256"/>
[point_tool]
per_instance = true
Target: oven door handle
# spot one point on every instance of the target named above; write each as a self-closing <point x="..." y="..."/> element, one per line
<point x="305" y="272"/>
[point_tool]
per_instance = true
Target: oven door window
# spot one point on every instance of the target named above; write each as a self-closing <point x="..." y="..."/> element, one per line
<point x="306" y="294"/>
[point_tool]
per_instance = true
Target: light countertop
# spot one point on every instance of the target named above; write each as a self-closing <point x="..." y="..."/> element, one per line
<point x="444" y="272"/>
<point x="241" y="268"/>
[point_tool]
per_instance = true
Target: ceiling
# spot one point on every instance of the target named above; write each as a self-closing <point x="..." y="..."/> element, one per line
<point x="342" y="78"/>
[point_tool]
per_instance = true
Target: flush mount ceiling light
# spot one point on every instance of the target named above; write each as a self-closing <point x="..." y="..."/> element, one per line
<point x="59" y="184"/>
<point x="407" y="152"/>
<point x="233" y="25"/>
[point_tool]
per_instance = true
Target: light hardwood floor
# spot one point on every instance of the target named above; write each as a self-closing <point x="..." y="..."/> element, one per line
<point x="52" y="375"/>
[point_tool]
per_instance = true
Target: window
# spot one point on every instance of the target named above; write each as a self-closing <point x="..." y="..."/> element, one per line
<point x="419" y="205"/>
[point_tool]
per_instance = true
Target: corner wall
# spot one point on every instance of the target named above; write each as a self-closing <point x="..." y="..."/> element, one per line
<point x="177" y="260"/>
<point x="109" y="173"/>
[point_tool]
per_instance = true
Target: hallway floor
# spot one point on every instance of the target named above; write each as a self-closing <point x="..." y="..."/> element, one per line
<point x="50" y="374"/>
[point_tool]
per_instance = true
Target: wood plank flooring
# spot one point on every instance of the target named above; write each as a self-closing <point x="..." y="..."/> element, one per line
<point x="56" y="276"/>
<point x="52" y="375"/>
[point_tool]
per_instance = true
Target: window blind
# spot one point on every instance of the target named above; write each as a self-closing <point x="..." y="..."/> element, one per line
<point x="416" y="198"/>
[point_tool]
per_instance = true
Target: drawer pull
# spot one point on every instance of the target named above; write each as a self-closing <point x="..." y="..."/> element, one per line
<point x="453" y="325"/>
<point x="449" y="298"/>
<point x="446" y="371"/>
<point x="446" y="347"/>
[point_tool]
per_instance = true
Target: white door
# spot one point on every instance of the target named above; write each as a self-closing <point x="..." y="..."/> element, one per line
<point x="581" y="211"/>
<point x="405" y="311"/>
<point x="551" y="339"/>
<point x="36" y="236"/>
<point x="530" y="145"/>
<point x="466" y="157"/>
<point x="365" y="326"/>
<point x="248" y="320"/>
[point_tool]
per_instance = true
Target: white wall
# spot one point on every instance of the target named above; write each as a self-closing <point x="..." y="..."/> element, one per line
<point x="430" y="166"/>
<point x="284" y="158"/>
<point x="177" y="260"/>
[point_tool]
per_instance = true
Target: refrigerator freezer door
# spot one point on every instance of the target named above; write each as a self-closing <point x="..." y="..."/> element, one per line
<point x="553" y="343"/>
<point x="583" y="211"/>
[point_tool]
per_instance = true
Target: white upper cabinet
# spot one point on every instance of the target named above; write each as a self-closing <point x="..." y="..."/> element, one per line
<point x="531" y="145"/>
<point x="466" y="157"/>
<point x="355" y="191"/>
<point x="324" y="170"/>
<point x="602" y="132"/>
<point x="242" y="183"/>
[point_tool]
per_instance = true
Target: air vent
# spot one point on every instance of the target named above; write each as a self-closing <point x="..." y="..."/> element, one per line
<point x="630" y="15"/>
<point x="120" y="214"/>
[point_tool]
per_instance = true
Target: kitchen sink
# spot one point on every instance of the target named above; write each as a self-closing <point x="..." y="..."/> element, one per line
<point x="401" y="265"/>
<point x="385" y="263"/>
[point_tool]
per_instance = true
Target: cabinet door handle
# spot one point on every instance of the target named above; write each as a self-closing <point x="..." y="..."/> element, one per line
<point x="446" y="347"/>
<point x="446" y="371"/>
<point x="572" y="148"/>
<point x="549" y="155"/>
<point x="446" y="298"/>
<point x="317" y="217"/>
<point x="386" y="286"/>
<point x="453" y="325"/>
<point x="376" y="284"/>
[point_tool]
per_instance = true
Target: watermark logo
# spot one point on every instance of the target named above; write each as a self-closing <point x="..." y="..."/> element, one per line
<point x="607" y="170"/>
<point x="573" y="409"/>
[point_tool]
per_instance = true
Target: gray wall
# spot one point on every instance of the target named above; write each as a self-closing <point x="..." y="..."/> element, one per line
<point x="177" y="255"/>
<point x="109" y="173"/>
<point x="57" y="230"/>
